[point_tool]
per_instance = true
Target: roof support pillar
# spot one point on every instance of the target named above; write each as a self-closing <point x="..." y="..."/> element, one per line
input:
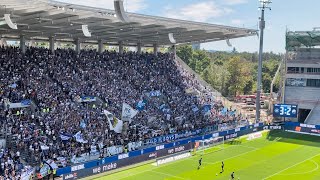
<point x="51" y="44"/>
<point x="3" y="42"/>
<point x="155" y="49"/>
<point x="120" y="47"/>
<point x="78" y="44"/>
<point x="100" y="46"/>
<point x="174" y="51"/>
<point x="22" y="44"/>
<point x="139" y="48"/>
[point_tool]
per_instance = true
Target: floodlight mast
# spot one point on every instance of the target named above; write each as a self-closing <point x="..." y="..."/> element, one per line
<point x="264" y="5"/>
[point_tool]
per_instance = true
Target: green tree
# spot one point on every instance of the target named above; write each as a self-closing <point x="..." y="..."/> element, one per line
<point x="239" y="75"/>
<point x="185" y="52"/>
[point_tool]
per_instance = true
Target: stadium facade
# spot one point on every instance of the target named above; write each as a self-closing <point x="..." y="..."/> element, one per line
<point x="302" y="80"/>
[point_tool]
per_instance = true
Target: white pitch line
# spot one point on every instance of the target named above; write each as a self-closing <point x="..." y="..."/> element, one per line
<point x="291" y="166"/>
<point x="316" y="168"/>
<point x="247" y="146"/>
<point x="230" y="157"/>
<point x="167" y="174"/>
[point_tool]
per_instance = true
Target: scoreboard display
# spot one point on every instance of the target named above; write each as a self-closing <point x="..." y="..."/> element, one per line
<point x="285" y="110"/>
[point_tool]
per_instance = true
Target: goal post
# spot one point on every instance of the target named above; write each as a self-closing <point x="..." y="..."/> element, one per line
<point x="202" y="146"/>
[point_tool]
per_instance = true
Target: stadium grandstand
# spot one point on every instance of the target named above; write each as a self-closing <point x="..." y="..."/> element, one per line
<point x="62" y="107"/>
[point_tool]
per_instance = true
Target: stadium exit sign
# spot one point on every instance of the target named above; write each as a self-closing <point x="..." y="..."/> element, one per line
<point x="285" y="110"/>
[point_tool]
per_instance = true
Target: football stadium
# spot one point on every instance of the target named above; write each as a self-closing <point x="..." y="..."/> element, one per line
<point x="113" y="90"/>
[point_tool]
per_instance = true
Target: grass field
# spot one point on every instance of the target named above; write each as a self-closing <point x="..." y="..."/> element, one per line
<point x="277" y="155"/>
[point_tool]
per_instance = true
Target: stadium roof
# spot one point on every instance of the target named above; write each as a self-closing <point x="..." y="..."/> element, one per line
<point x="41" y="19"/>
<point x="296" y="39"/>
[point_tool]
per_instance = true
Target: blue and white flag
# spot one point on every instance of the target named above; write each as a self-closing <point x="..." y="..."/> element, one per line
<point x="194" y="108"/>
<point x="14" y="85"/>
<point x="79" y="137"/>
<point x="128" y="112"/>
<point x="141" y="105"/>
<point x="155" y="93"/>
<point x="83" y="124"/>
<point x="65" y="137"/>
<point x="206" y="108"/>
<point x="224" y="111"/>
<point x="114" y="123"/>
<point x="164" y="109"/>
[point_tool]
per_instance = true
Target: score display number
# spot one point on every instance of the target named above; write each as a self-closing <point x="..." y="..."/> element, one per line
<point x="285" y="110"/>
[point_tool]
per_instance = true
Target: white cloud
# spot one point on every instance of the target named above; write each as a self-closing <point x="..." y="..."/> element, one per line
<point x="237" y="22"/>
<point x="234" y="2"/>
<point x="129" y="5"/>
<point x="202" y="11"/>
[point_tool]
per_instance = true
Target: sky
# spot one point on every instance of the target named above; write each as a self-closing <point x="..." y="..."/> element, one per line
<point x="293" y="15"/>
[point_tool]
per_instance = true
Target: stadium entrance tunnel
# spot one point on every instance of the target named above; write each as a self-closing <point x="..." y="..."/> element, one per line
<point x="303" y="114"/>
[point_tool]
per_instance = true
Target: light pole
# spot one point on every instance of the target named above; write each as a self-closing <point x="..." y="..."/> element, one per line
<point x="264" y="5"/>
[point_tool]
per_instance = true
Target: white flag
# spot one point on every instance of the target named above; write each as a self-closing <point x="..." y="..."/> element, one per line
<point x="128" y="112"/>
<point x="79" y="137"/>
<point x="114" y="123"/>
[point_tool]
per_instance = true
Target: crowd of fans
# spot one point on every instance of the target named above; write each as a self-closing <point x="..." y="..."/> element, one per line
<point x="54" y="83"/>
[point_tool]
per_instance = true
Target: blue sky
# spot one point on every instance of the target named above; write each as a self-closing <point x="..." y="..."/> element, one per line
<point x="296" y="15"/>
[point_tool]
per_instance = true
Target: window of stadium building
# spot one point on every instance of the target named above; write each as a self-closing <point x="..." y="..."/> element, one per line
<point x="313" y="70"/>
<point x="313" y="82"/>
<point x="293" y="70"/>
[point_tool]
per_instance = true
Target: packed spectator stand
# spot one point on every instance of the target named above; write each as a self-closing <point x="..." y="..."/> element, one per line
<point x="168" y="97"/>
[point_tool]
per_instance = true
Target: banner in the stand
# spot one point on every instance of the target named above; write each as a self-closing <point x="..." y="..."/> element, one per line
<point x="23" y="104"/>
<point x="65" y="137"/>
<point x="86" y="99"/>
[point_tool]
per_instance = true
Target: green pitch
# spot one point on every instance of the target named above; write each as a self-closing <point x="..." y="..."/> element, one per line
<point x="277" y="155"/>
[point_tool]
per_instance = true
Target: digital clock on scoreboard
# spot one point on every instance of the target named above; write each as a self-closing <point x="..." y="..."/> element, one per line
<point x="285" y="110"/>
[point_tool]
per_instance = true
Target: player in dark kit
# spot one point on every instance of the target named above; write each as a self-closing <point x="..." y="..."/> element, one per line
<point x="222" y="167"/>
<point x="200" y="160"/>
<point x="232" y="175"/>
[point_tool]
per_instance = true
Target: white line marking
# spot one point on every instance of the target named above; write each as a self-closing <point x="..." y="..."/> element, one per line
<point x="291" y="166"/>
<point x="167" y="174"/>
<point x="230" y="157"/>
<point x="315" y="169"/>
<point x="247" y="146"/>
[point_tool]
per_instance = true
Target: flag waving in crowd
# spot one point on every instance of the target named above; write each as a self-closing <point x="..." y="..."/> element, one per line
<point x="114" y="123"/>
<point x="128" y="112"/>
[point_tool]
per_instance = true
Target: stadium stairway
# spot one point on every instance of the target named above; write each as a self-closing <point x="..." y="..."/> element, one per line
<point x="217" y="94"/>
<point x="314" y="116"/>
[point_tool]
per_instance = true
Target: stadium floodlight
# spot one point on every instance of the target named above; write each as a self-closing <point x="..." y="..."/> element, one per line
<point x="171" y="38"/>
<point x="120" y="12"/>
<point x="86" y="31"/>
<point x="9" y="22"/>
<point x="264" y="5"/>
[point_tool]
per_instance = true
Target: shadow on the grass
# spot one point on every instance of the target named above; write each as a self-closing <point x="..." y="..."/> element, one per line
<point x="234" y="142"/>
<point x="294" y="138"/>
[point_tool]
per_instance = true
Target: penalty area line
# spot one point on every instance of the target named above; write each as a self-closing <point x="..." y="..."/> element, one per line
<point x="291" y="166"/>
<point x="315" y="169"/>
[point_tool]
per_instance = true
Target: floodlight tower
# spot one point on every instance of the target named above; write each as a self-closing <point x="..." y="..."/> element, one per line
<point x="264" y="5"/>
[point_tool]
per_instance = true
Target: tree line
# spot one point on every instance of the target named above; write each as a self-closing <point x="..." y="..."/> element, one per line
<point x="231" y="73"/>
